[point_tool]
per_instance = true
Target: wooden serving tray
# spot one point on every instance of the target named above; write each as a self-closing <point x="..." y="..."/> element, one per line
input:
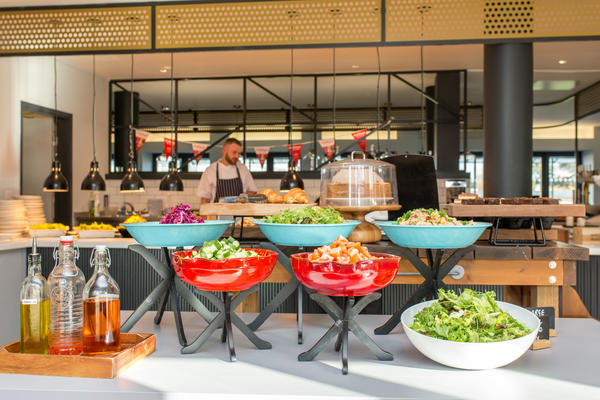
<point x="247" y="209"/>
<point x="514" y="210"/>
<point x="134" y="347"/>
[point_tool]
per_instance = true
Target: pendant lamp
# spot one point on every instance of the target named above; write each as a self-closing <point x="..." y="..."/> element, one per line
<point x="132" y="182"/>
<point x="291" y="179"/>
<point x="56" y="181"/>
<point x="93" y="180"/>
<point x="172" y="181"/>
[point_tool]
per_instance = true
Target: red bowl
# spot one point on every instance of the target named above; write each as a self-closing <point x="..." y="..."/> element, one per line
<point x="335" y="279"/>
<point x="229" y="275"/>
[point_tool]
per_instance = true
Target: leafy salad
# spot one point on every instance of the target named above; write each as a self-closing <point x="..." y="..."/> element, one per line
<point x="181" y="214"/>
<point x="306" y="215"/>
<point x="429" y="216"/>
<point x="469" y="317"/>
<point x="222" y="249"/>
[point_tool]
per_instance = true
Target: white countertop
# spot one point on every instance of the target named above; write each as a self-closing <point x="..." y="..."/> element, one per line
<point x="567" y="370"/>
<point x="23" y="243"/>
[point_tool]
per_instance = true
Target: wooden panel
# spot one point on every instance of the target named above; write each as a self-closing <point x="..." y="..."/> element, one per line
<point x="520" y="234"/>
<point x="134" y="346"/>
<point x="513" y="210"/>
<point x="487" y="251"/>
<point x="586" y="234"/>
<point x="561" y="251"/>
<point x="247" y="209"/>
<point x="569" y="272"/>
<point x="572" y="306"/>
<point x="545" y="296"/>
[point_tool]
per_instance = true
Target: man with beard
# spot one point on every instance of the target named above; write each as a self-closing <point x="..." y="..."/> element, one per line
<point x="226" y="177"/>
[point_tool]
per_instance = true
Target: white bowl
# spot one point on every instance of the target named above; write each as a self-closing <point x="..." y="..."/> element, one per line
<point x="473" y="355"/>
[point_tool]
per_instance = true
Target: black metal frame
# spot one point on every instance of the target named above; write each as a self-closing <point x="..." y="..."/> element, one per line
<point x="344" y="322"/>
<point x="493" y="239"/>
<point x="434" y="272"/>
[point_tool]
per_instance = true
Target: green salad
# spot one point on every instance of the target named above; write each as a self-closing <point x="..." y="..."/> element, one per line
<point x="306" y="215"/>
<point x="469" y="317"/>
<point x="222" y="249"/>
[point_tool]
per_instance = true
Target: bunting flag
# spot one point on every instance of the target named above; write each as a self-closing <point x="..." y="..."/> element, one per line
<point x="169" y="145"/>
<point x="358" y="136"/>
<point x="262" y="153"/>
<point x="199" y="148"/>
<point x="140" y="138"/>
<point x="327" y="145"/>
<point x="295" y="151"/>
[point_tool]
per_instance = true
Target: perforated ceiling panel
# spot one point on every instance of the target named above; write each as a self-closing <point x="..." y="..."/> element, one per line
<point x="70" y="30"/>
<point x="442" y="20"/>
<point x="267" y="23"/>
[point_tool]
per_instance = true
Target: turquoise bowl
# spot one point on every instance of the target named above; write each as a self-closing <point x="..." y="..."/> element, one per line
<point x="433" y="237"/>
<point x="153" y="234"/>
<point x="310" y="235"/>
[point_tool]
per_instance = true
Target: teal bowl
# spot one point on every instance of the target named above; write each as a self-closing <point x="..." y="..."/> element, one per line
<point x="433" y="237"/>
<point x="153" y="234"/>
<point x="310" y="235"/>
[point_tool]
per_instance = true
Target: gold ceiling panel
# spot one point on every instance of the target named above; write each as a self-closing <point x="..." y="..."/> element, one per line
<point x="267" y="23"/>
<point x="75" y="30"/>
<point x="443" y="20"/>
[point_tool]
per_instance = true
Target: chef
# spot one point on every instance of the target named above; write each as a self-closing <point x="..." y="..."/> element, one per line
<point x="226" y="177"/>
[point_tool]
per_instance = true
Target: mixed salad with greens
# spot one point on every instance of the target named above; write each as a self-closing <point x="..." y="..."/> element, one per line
<point x="469" y="317"/>
<point x="306" y="215"/>
<point x="222" y="249"/>
<point x="181" y="214"/>
<point x="429" y="216"/>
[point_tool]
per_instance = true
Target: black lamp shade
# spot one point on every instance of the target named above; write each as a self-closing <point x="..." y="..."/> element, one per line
<point x="132" y="182"/>
<point x="93" y="180"/>
<point x="56" y="181"/>
<point x="171" y="181"/>
<point x="291" y="179"/>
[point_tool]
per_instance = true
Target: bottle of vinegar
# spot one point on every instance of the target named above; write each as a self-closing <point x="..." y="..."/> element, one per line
<point x="101" y="308"/>
<point x="35" y="308"/>
<point x="65" y="286"/>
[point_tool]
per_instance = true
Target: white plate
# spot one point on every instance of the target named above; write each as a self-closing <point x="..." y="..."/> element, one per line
<point x="96" y="233"/>
<point x="47" y="232"/>
<point x="473" y="355"/>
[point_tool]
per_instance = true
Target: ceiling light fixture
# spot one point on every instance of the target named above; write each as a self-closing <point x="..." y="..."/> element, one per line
<point x="561" y="62"/>
<point x="56" y="181"/>
<point x="291" y="179"/>
<point x="132" y="182"/>
<point x="93" y="180"/>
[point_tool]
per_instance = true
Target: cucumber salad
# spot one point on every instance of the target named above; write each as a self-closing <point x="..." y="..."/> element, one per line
<point x="222" y="249"/>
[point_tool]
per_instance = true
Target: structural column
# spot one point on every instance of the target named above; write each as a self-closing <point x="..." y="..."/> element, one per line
<point x="508" y="109"/>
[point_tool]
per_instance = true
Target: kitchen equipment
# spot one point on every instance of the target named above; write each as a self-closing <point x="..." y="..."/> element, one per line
<point x="153" y="234"/>
<point x="358" y="183"/>
<point x="473" y="355"/>
<point x="433" y="237"/>
<point x="305" y="234"/>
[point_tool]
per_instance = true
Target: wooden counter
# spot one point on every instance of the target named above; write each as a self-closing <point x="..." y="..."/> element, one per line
<point x="531" y="276"/>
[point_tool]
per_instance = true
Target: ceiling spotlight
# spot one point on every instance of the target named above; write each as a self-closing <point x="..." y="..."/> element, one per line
<point x="355" y="66"/>
<point x="562" y="62"/>
<point x="163" y="70"/>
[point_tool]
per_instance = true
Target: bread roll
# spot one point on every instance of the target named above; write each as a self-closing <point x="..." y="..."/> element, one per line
<point x="272" y="196"/>
<point x="296" y="195"/>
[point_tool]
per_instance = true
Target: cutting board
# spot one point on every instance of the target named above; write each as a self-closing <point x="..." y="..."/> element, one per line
<point x="514" y="210"/>
<point x="247" y="209"/>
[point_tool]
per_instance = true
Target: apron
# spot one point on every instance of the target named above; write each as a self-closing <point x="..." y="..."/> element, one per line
<point x="228" y="187"/>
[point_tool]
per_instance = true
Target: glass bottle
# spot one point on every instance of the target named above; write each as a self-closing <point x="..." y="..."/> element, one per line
<point x="35" y="307"/>
<point x="65" y="286"/>
<point x="101" y="307"/>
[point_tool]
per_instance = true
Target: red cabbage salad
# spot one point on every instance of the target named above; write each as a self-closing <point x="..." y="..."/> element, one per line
<point x="181" y="214"/>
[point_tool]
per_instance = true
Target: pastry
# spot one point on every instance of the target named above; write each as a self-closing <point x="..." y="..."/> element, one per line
<point x="296" y="195"/>
<point x="272" y="196"/>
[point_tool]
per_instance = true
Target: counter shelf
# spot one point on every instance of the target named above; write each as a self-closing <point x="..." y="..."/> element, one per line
<point x="228" y="275"/>
<point x="362" y="278"/>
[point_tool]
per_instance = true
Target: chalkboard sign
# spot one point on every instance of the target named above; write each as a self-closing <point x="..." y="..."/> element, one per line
<point x="547" y="319"/>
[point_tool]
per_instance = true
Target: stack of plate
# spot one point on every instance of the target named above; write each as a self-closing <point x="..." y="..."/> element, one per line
<point x="13" y="218"/>
<point x="34" y="208"/>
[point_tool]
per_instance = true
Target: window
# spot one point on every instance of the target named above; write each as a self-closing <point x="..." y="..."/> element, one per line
<point x="199" y="166"/>
<point x="536" y="176"/>
<point x="475" y="169"/>
<point x="561" y="178"/>
<point x="253" y="163"/>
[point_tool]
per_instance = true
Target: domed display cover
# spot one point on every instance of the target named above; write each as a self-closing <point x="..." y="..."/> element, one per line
<point x="358" y="182"/>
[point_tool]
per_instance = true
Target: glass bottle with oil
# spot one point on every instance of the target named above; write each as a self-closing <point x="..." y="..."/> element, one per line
<point x="101" y="307"/>
<point x="35" y="307"/>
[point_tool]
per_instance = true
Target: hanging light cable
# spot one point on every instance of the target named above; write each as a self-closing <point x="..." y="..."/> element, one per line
<point x="55" y="181"/>
<point x="93" y="180"/>
<point x="291" y="179"/>
<point x="423" y="9"/>
<point x="172" y="181"/>
<point x="378" y="119"/>
<point x="132" y="182"/>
